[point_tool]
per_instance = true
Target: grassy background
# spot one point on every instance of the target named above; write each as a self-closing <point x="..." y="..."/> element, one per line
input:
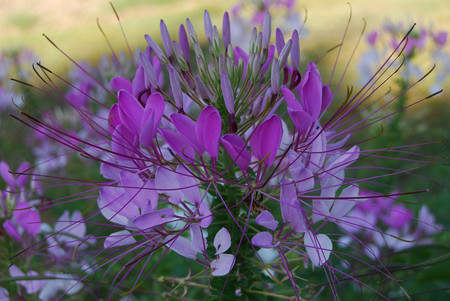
<point x="72" y="24"/>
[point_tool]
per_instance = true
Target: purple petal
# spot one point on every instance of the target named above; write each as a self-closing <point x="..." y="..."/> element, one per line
<point x="130" y="111"/>
<point x="123" y="142"/>
<point x="226" y="31"/>
<point x="119" y="83"/>
<point x="270" y="55"/>
<point x="113" y="118"/>
<point x="28" y="219"/>
<point x="167" y="41"/>
<point x="4" y="295"/>
<point x="291" y="209"/>
<point x="139" y="83"/>
<point x="154" y="219"/>
<point x="266" y="139"/>
<point x="179" y="144"/>
<point x="295" y="50"/>
<point x="264" y="240"/>
<point x="208" y="25"/>
<point x="266" y="219"/>
<point x="342" y="162"/>
<point x="187" y="127"/>
<point x="148" y="130"/>
<point x="290" y="99"/>
<point x="318" y="248"/>
<point x="398" y="216"/>
<point x="208" y="129"/>
<point x="175" y="87"/>
<point x="181" y="245"/>
<point x="327" y="96"/>
<point x="166" y="181"/>
<point x="184" y="42"/>
<point x="137" y="191"/>
<point x="302" y="121"/>
<point x="149" y="72"/>
<point x="205" y="215"/>
<point x="345" y="202"/>
<point x="236" y="148"/>
<point x="223" y="265"/>
<point x="279" y="40"/>
<point x="266" y="30"/>
<point x="188" y="184"/>
<point x="6" y="175"/>
<point x="31" y="286"/>
<point x="198" y="240"/>
<point x="227" y="92"/>
<point x="116" y="200"/>
<point x="311" y="91"/>
<point x="119" y="239"/>
<point x="11" y="229"/>
<point x="22" y="180"/>
<point x="222" y="241"/>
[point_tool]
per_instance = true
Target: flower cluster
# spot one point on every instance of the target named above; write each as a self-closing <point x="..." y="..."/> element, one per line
<point x="384" y="223"/>
<point x="13" y="63"/>
<point x="21" y="224"/>
<point x="214" y="156"/>
<point x="248" y="14"/>
<point x="423" y="48"/>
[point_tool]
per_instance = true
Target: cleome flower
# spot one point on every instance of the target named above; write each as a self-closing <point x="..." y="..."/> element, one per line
<point x="213" y="148"/>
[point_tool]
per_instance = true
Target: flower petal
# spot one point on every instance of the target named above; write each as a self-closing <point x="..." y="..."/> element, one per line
<point x="153" y="219"/>
<point x="236" y="148"/>
<point x="208" y="129"/>
<point x="181" y="245"/>
<point x="318" y="247"/>
<point x="118" y="239"/>
<point x="266" y="219"/>
<point x="222" y="265"/>
<point x="264" y="240"/>
<point x="266" y="139"/>
<point x="222" y="241"/>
